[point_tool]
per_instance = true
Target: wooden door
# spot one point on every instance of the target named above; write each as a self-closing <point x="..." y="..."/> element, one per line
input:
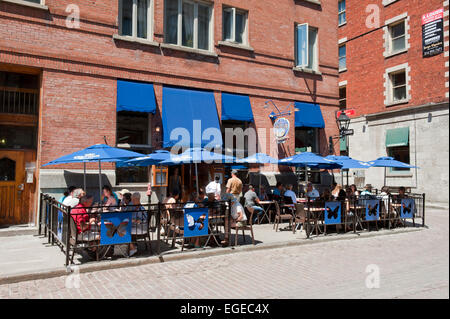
<point x="12" y="185"/>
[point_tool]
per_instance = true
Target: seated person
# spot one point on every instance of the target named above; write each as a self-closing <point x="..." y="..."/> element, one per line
<point x="252" y="202"/>
<point x="401" y="195"/>
<point x="139" y="222"/>
<point x="237" y="214"/>
<point x="326" y="195"/>
<point x="354" y="190"/>
<point x="73" y="199"/>
<point x="263" y="193"/>
<point x="367" y="190"/>
<point x="109" y="199"/>
<point x="290" y="193"/>
<point x="311" y="192"/>
<point x="278" y="191"/>
<point x="202" y="198"/>
<point x="126" y="203"/>
<point x="83" y="220"/>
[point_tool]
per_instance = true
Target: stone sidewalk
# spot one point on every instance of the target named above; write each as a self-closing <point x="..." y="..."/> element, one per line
<point x="411" y="264"/>
<point x="27" y="257"/>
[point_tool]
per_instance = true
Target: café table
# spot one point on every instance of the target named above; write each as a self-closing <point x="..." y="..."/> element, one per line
<point x="266" y="205"/>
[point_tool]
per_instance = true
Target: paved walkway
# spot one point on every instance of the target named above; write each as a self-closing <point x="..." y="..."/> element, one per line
<point x="406" y="265"/>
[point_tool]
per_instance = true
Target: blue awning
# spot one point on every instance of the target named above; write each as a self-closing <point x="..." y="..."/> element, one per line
<point x="181" y="107"/>
<point x="236" y="107"/>
<point x="135" y="97"/>
<point x="308" y="115"/>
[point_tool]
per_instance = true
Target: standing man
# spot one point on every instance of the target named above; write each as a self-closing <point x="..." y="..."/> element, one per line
<point x="234" y="185"/>
<point x="214" y="188"/>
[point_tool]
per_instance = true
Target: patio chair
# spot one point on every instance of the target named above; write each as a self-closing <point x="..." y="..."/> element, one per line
<point x="300" y="215"/>
<point x="249" y="227"/>
<point x="177" y="226"/>
<point x="142" y="232"/>
<point x="75" y="239"/>
<point x="279" y="217"/>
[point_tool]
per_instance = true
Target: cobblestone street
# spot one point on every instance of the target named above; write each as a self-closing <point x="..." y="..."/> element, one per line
<point x="410" y="265"/>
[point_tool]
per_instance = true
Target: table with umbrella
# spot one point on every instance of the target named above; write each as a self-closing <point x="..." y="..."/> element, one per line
<point x="196" y="156"/>
<point x="96" y="153"/>
<point x="389" y="162"/>
<point x="309" y="160"/>
<point x="347" y="163"/>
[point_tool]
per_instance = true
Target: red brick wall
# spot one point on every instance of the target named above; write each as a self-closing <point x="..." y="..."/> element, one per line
<point x="80" y="67"/>
<point x="366" y="64"/>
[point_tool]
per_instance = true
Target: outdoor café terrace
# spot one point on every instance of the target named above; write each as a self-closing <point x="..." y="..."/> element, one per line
<point x="97" y="231"/>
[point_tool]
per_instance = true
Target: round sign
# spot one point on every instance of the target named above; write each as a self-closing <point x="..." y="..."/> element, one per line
<point x="281" y="129"/>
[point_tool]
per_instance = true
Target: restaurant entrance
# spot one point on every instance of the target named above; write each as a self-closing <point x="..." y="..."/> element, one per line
<point x="19" y="109"/>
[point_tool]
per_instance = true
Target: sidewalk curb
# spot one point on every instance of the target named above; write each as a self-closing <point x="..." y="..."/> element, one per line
<point x="124" y="263"/>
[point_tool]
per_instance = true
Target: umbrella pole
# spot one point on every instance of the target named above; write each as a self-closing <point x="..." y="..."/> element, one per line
<point x="100" y="180"/>
<point x="84" y="176"/>
<point x="347" y="177"/>
<point x="384" y="176"/>
<point x="306" y="174"/>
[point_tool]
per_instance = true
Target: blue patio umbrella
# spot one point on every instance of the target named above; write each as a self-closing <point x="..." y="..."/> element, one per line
<point x="197" y="155"/>
<point x="308" y="159"/>
<point x="347" y="163"/>
<point x="151" y="159"/>
<point x="95" y="153"/>
<point x="258" y="158"/>
<point x="388" y="162"/>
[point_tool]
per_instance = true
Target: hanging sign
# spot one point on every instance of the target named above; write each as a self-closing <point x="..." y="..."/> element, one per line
<point x="281" y="129"/>
<point x="433" y="33"/>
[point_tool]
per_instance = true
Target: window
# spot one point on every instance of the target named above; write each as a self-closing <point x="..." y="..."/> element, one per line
<point x="235" y="26"/>
<point x="306" y="47"/>
<point x="306" y="139"/>
<point x="18" y="137"/>
<point x="135" y="18"/>
<point x="397" y="144"/>
<point x="19" y="93"/>
<point x="398" y="81"/>
<point x="235" y="131"/>
<point x="7" y="170"/>
<point x="397" y="37"/>
<point x="397" y="84"/>
<point x="188" y="23"/>
<point x="400" y="154"/>
<point x="133" y="134"/>
<point x="342" y="57"/>
<point x="341" y="12"/>
<point x="343" y="97"/>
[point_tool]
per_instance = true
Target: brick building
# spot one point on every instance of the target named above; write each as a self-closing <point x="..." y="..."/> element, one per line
<point x="399" y="92"/>
<point x="68" y="83"/>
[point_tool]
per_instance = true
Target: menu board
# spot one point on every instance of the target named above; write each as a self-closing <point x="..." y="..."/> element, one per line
<point x="433" y="33"/>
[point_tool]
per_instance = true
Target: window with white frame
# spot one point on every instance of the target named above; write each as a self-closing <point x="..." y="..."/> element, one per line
<point x="235" y="25"/>
<point x="341" y="12"/>
<point x="306" y="47"/>
<point x="397" y="37"/>
<point x="398" y="85"/>
<point x="188" y="23"/>
<point x="135" y="18"/>
<point x="342" y="57"/>
<point x="397" y="88"/>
